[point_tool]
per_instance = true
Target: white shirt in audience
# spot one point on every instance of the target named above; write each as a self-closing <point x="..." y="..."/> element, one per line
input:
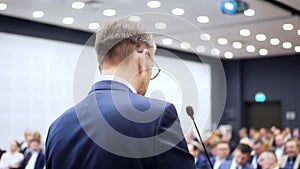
<point x="32" y="160"/>
<point x="279" y="151"/>
<point x="11" y="160"/>
<point x="218" y="163"/>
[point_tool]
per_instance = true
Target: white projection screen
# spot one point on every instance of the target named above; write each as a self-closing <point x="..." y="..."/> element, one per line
<point x="37" y="84"/>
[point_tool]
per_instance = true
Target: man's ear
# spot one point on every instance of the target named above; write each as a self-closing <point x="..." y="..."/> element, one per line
<point x="100" y="68"/>
<point x="142" y="60"/>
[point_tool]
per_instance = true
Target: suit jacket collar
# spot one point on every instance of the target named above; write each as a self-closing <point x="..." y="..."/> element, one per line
<point x="109" y="85"/>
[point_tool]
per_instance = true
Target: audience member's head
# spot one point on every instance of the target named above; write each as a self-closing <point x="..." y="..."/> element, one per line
<point x="258" y="147"/>
<point x="243" y="132"/>
<point x="242" y="154"/>
<point x="252" y="131"/>
<point x="296" y="133"/>
<point x="263" y="132"/>
<point x="279" y="140"/>
<point x="292" y="147"/>
<point x="35" y="145"/>
<point x="194" y="148"/>
<point x="37" y="135"/>
<point x="14" y="146"/>
<point x="223" y="150"/>
<point x="267" y="160"/>
<point x="28" y="135"/>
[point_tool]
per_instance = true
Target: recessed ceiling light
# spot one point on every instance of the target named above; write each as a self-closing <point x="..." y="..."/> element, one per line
<point x="202" y="19"/>
<point x="215" y="52"/>
<point x="77" y="5"/>
<point x="185" y="45"/>
<point x="250" y="48"/>
<point x="298" y="32"/>
<point x="109" y="12"/>
<point x="237" y="45"/>
<point x="249" y="12"/>
<point x="135" y="18"/>
<point x="38" y="14"/>
<point x="222" y="41"/>
<point x="153" y="4"/>
<point x="167" y="41"/>
<point x="68" y="20"/>
<point x="200" y="49"/>
<point x="274" y="41"/>
<point x="177" y="11"/>
<point x="205" y="37"/>
<point x="297" y="48"/>
<point x="228" y="55"/>
<point x="245" y="32"/>
<point x="94" y="25"/>
<point x="261" y="37"/>
<point x="287" y="27"/>
<point x="3" y="6"/>
<point x="287" y="45"/>
<point x="263" y="52"/>
<point x="160" y="25"/>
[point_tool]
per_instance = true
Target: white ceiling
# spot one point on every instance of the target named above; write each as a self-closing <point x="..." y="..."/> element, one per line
<point x="268" y="20"/>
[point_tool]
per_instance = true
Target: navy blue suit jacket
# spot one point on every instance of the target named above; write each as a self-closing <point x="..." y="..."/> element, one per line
<point x="40" y="161"/>
<point x="94" y="133"/>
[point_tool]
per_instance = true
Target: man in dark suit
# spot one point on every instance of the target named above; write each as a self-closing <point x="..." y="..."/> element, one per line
<point x="35" y="159"/>
<point x="258" y="148"/>
<point x="241" y="155"/>
<point x="115" y="126"/>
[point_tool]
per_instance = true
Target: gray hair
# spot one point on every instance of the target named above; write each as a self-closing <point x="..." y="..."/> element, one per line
<point x="116" y="31"/>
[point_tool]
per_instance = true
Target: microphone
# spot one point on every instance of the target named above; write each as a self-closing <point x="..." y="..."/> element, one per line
<point x="190" y="112"/>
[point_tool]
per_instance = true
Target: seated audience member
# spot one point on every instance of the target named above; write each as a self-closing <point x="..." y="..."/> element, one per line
<point x="223" y="151"/>
<point x="263" y="133"/>
<point x="296" y="133"/>
<point x="13" y="158"/>
<point x="241" y="155"/>
<point x="292" y="158"/>
<point x="258" y="148"/>
<point x="37" y="135"/>
<point x="200" y="161"/>
<point x="267" y="160"/>
<point x="279" y="146"/>
<point x="35" y="159"/>
<point x="25" y="144"/>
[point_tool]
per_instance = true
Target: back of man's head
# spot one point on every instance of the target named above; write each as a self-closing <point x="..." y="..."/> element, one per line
<point x="118" y="38"/>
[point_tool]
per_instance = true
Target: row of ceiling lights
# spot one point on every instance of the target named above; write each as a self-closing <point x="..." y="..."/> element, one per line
<point x="186" y="45"/>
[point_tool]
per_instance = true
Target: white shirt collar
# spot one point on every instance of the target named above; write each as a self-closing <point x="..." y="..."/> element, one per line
<point x="117" y="79"/>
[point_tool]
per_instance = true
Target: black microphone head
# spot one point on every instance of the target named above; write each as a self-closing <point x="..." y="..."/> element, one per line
<point x="190" y="111"/>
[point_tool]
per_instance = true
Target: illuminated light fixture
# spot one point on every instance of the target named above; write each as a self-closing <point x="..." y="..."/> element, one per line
<point x="38" y="14"/>
<point x="215" y="52"/>
<point x="109" y="12"/>
<point x="263" y="52"/>
<point x="200" y="49"/>
<point x="78" y="5"/>
<point x="185" y="45"/>
<point x="261" y="37"/>
<point x="3" y="6"/>
<point x="298" y="32"/>
<point x="160" y="25"/>
<point x="245" y="32"/>
<point x="135" y="18"/>
<point x="202" y="19"/>
<point x="222" y="41"/>
<point x="167" y="41"/>
<point x="68" y="20"/>
<point x="94" y="26"/>
<point x="250" y="48"/>
<point x="205" y="37"/>
<point x="177" y="11"/>
<point x="249" y="12"/>
<point x="297" y="48"/>
<point x="260" y="97"/>
<point x="234" y="6"/>
<point x="153" y="4"/>
<point x="287" y="45"/>
<point x="237" y="45"/>
<point x="228" y="55"/>
<point x="287" y="27"/>
<point x="274" y="41"/>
